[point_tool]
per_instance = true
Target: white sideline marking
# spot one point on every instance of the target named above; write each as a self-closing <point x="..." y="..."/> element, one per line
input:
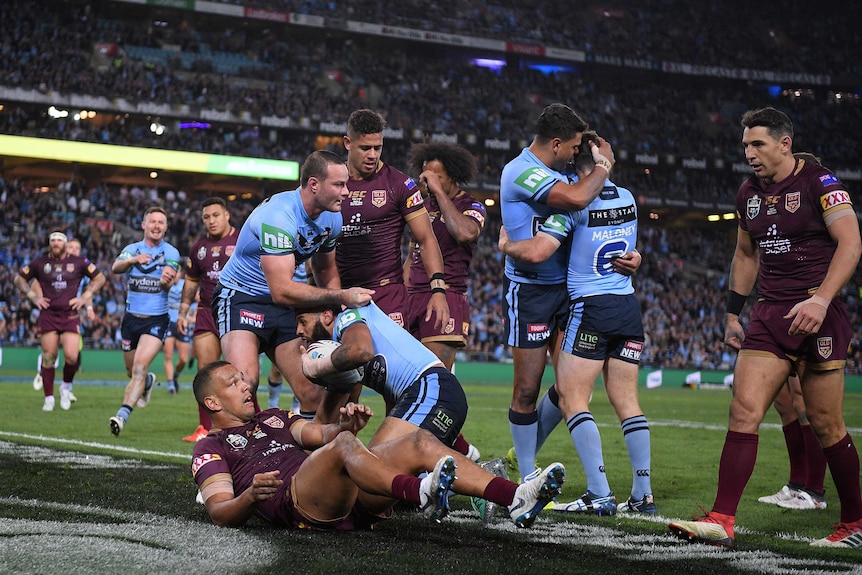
<point x="78" y="442"/>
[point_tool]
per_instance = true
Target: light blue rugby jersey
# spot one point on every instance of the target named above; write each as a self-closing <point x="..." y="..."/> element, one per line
<point x="524" y="187"/>
<point x="278" y="226"/>
<point x="606" y="229"/>
<point x="146" y="297"/>
<point x="406" y="357"/>
<point x="175" y="295"/>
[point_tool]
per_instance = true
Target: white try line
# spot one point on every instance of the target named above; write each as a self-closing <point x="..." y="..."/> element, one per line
<point x="78" y="443"/>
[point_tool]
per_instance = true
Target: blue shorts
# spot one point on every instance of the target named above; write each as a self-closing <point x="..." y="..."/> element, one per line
<point x="272" y="324"/>
<point x="176" y="334"/>
<point x="135" y="326"/>
<point x="531" y="312"/>
<point x="435" y="402"/>
<point x="603" y="326"/>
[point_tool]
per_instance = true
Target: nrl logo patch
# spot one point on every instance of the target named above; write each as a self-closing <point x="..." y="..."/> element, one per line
<point x="792" y="202"/>
<point x="752" y="207"/>
<point x="824" y="347"/>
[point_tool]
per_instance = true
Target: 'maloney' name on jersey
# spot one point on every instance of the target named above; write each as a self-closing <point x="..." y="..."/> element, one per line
<point x="612" y="216"/>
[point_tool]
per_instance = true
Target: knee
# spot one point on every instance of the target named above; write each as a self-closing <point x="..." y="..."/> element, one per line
<point x="48" y="358"/>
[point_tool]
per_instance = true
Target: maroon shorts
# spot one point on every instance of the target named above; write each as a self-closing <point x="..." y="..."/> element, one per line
<point x="59" y="321"/>
<point x="825" y="350"/>
<point x="204" y="322"/>
<point x="392" y="299"/>
<point x="455" y="332"/>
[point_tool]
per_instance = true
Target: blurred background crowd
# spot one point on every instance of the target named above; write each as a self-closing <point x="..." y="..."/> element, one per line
<point x="251" y="68"/>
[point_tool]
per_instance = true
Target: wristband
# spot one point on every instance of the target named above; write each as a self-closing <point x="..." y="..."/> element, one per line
<point x="603" y="163"/>
<point x="438" y="276"/>
<point x="438" y="290"/>
<point x="735" y="302"/>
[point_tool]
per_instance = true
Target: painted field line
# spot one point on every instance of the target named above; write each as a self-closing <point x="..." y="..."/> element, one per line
<point x="78" y="443"/>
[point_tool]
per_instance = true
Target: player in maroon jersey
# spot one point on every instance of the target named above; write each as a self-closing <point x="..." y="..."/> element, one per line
<point x="207" y="258"/>
<point x="799" y="239"/>
<point x="58" y="275"/>
<point x="457" y="219"/>
<point x="381" y="201"/>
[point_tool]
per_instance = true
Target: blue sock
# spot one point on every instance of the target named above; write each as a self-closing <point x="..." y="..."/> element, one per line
<point x="124" y="412"/>
<point x="637" y="436"/>
<point x="549" y="416"/>
<point x="309" y="415"/>
<point x="274" y="392"/>
<point x="294" y="405"/>
<point x="588" y="444"/>
<point x="524" y="427"/>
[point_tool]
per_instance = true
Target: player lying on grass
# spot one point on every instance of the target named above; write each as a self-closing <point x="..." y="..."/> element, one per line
<point x="257" y="464"/>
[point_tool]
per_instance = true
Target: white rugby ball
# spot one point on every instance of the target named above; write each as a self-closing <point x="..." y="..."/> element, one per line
<point x="340" y="382"/>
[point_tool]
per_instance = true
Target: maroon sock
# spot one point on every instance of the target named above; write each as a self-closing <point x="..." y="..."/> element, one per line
<point x="500" y="491"/>
<point x="734" y="470"/>
<point x="204" y="417"/>
<point x="406" y="488"/>
<point x="461" y="445"/>
<point x="844" y="465"/>
<point x="796" y="446"/>
<point x="69" y="370"/>
<point x="816" y="460"/>
<point x="48" y="380"/>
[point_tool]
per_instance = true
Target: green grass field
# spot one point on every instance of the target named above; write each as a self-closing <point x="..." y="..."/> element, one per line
<point x="75" y="499"/>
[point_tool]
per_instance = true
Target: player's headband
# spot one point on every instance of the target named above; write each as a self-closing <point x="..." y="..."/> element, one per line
<point x="57" y="236"/>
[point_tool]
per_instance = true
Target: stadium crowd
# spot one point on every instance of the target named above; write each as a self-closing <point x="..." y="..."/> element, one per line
<point x="425" y="88"/>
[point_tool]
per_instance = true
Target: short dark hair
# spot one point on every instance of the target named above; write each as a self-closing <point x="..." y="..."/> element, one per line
<point x="316" y="165"/>
<point x="584" y="159"/>
<point x="457" y="160"/>
<point x="559" y="121"/>
<point x="155" y="210"/>
<point x="776" y="122"/>
<point x="335" y="308"/>
<point x="363" y="122"/>
<point x="203" y="380"/>
<point x="214" y="201"/>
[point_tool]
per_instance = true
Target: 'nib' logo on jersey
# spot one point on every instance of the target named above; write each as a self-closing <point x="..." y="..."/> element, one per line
<point x="275" y="239"/>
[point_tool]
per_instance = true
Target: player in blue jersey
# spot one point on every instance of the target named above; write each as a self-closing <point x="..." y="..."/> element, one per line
<point x="533" y="186"/>
<point x="174" y="338"/>
<point x="604" y="333"/>
<point x="150" y="266"/>
<point x="256" y="293"/>
<point x="418" y="389"/>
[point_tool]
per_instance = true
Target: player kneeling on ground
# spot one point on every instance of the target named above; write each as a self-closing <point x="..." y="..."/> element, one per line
<point x="256" y="464"/>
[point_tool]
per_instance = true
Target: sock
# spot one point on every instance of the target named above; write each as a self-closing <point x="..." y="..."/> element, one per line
<point x="274" y="392"/>
<point x="588" y="444"/>
<point x="48" y="380"/>
<point x="816" y="461"/>
<point x="69" y="370"/>
<point x="406" y="488"/>
<point x="294" y="405"/>
<point x="549" y="415"/>
<point x="204" y="418"/>
<point x="500" y="491"/>
<point x="66" y="386"/>
<point x="637" y="436"/>
<point x="124" y="412"/>
<point x="461" y="445"/>
<point x="796" y="447"/>
<point x="524" y="427"/>
<point x="844" y="465"/>
<point x="734" y="470"/>
<point x="309" y="415"/>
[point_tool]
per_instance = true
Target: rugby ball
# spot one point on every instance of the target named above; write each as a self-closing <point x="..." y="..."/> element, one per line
<point x="339" y="382"/>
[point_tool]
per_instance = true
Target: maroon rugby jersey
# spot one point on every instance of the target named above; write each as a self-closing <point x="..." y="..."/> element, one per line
<point x="456" y="256"/>
<point x="207" y="259"/>
<point x="787" y="222"/>
<point x="264" y="444"/>
<point x="59" y="278"/>
<point x="374" y="215"/>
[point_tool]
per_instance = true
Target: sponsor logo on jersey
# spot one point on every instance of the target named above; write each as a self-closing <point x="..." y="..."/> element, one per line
<point x="612" y="216"/>
<point x="442" y="421"/>
<point x="555" y="223"/>
<point x="47" y="268"/>
<point x="833" y="199"/>
<point x="91" y="268"/>
<point x="415" y="200"/>
<point x="25" y="270"/>
<point x="273" y="239"/>
<point x="792" y="201"/>
<point x="216" y="251"/>
<point x="378" y="198"/>
<point x="609" y="193"/>
<point x="144" y="284"/>
<point x="202" y="460"/>
<point x="632" y="350"/>
<point x="237" y="441"/>
<point x="346" y="318"/>
<point x="476" y="215"/>
<point x="824" y="347"/>
<point x="202" y="252"/>
<point x="532" y="178"/>
<point x="752" y="207"/>
<point x="828" y="179"/>
<point x="275" y="422"/>
<point x="251" y="318"/>
<point x="465" y="328"/>
<point x="771" y="205"/>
